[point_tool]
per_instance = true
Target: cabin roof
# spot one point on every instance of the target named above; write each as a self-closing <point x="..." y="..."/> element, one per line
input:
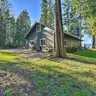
<point x="71" y="35"/>
<point x="68" y="34"/>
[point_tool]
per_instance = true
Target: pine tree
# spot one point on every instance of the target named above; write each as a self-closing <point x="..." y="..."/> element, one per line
<point x="12" y="31"/>
<point x="71" y="20"/>
<point x="47" y="15"/>
<point x="66" y="14"/>
<point x="8" y="29"/>
<point x="2" y="30"/>
<point x="23" y="25"/>
<point x="50" y="20"/>
<point x="44" y="14"/>
<point x="87" y="8"/>
<point x="4" y="7"/>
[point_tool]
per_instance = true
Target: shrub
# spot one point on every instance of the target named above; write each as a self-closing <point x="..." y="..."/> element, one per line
<point x="71" y="49"/>
<point x="8" y="46"/>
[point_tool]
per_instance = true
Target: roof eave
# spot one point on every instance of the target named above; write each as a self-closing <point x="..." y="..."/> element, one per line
<point x="73" y="36"/>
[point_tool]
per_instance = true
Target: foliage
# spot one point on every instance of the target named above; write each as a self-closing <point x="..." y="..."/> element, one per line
<point x="12" y="33"/>
<point x="8" y="92"/>
<point x="47" y="14"/>
<point x="44" y="11"/>
<point x="4" y="13"/>
<point x="87" y="8"/>
<point x="23" y="25"/>
<point x="50" y="13"/>
<point x="73" y="49"/>
<point x="71" y="19"/>
<point x="10" y="29"/>
<point x="54" y="76"/>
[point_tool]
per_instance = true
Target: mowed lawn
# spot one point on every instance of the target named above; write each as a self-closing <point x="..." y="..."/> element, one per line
<point x="21" y="76"/>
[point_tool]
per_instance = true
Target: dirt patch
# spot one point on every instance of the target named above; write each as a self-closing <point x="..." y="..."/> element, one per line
<point x="13" y="85"/>
<point x="8" y="78"/>
<point x="27" y="53"/>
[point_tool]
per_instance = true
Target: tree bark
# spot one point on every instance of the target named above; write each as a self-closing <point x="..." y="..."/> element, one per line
<point x="60" y="48"/>
<point x="94" y="41"/>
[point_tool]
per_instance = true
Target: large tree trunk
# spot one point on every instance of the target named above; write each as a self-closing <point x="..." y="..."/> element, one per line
<point x="60" y="49"/>
<point x="94" y="41"/>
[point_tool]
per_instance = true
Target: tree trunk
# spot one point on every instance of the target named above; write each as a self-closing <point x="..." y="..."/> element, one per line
<point x="60" y="49"/>
<point x="94" y="41"/>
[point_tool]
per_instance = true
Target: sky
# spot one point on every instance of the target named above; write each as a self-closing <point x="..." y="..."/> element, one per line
<point x="34" y="9"/>
<point x="32" y="6"/>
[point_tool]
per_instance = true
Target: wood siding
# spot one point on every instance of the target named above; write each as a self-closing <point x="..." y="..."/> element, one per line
<point x="72" y="42"/>
<point x="48" y="34"/>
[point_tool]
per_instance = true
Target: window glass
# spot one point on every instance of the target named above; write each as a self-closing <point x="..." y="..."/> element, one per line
<point x="38" y="28"/>
<point x="65" y="42"/>
<point x="43" y="41"/>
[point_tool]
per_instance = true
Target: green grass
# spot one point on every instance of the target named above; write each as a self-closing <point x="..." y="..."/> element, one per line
<point x="52" y="76"/>
<point x="87" y="53"/>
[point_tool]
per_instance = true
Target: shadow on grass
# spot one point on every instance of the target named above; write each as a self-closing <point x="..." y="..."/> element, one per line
<point x="74" y="59"/>
<point x="83" y="60"/>
<point x="47" y="80"/>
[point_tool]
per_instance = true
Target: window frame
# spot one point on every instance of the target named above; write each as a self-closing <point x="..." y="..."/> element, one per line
<point x="65" y="44"/>
<point x="41" y="40"/>
<point x="37" y="28"/>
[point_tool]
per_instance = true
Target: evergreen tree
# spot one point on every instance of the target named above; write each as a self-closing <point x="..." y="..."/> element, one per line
<point x="9" y="35"/>
<point x="23" y="25"/>
<point x="12" y="32"/>
<point x="2" y="30"/>
<point x="4" y="7"/>
<point x="47" y="15"/>
<point x="44" y="14"/>
<point x="8" y="29"/>
<point x="87" y="8"/>
<point x="71" y="19"/>
<point x="50" y="20"/>
<point x="66" y="14"/>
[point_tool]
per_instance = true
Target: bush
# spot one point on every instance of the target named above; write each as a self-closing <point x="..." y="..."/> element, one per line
<point x="71" y="49"/>
<point x="8" y="46"/>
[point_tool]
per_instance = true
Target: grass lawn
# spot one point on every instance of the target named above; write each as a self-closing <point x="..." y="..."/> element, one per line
<point x="21" y="76"/>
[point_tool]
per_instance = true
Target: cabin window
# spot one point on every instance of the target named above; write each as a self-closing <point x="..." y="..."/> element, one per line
<point x="43" y="42"/>
<point x="65" y="42"/>
<point x="38" y="28"/>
